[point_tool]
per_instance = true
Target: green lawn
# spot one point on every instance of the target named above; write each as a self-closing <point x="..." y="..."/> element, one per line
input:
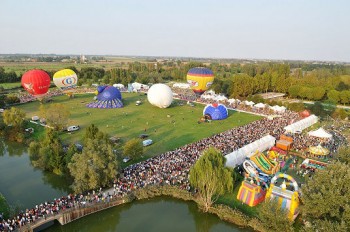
<point x="11" y="85"/>
<point x="168" y="128"/>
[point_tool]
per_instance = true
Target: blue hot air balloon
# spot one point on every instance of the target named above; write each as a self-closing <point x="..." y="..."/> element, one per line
<point x="107" y="97"/>
<point x="215" y="112"/>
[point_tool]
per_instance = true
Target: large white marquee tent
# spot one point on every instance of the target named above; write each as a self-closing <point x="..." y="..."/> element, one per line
<point x="302" y="124"/>
<point x="237" y="157"/>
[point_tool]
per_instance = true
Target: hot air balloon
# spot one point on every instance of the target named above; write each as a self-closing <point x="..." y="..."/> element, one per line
<point x="215" y="112"/>
<point x="36" y="82"/>
<point x="160" y="95"/>
<point x="200" y="79"/>
<point x="108" y="97"/>
<point x="66" y="80"/>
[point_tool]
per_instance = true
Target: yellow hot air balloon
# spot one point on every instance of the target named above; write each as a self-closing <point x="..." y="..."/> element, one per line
<point x="66" y="80"/>
<point x="200" y="79"/>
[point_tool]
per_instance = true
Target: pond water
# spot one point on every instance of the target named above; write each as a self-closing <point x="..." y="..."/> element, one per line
<point x="21" y="183"/>
<point x="25" y="186"/>
<point x="159" y="214"/>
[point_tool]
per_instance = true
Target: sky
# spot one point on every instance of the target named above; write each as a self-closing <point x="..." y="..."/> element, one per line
<point x="248" y="29"/>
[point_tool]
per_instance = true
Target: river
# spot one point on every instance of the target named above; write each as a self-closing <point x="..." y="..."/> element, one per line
<point x="25" y="186"/>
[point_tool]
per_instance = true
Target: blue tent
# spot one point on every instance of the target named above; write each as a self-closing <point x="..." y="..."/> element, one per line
<point x="215" y="112"/>
<point x="108" y="97"/>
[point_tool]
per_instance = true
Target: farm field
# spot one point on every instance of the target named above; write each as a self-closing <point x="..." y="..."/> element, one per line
<point x="22" y="67"/>
<point x="168" y="128"/>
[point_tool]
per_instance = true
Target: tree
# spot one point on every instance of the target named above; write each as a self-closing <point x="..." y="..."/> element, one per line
<point x="133" y="149"/>
<point x="326" y="197"/>
<point x="334" y="95"/>
<point x="14" y="117"/>
<point x="95" y="167"/>
<point x="339" y="113"/>
<point x="92" y="132"/>
<point x="343" y="154"/>
<point x="210" y="177"/>
<point x="56" y="115"/>
<point x="48" y="153"/>
<point x="274" y="217"/>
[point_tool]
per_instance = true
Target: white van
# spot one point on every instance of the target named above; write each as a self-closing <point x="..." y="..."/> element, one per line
<point x="147" y="142"/>
<point x="73" y="128"/>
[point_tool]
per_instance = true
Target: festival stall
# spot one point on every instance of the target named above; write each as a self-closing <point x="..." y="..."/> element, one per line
<point x="301" y="125"/>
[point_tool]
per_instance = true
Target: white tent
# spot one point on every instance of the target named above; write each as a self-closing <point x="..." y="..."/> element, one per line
<point x="231" y="100"/>
<point x="277" y="108"/>
<point x="139" y="86"/>
<point x="248" y="103"/>
<point x="237" y="157"/>
<point x="119" y="86"/>
<point x="181" y="85"/>
<point x="259" y="105"/>
<point x="302" y="124"/>
<point x="320" y="133"/>
<point x="220" y="98"/>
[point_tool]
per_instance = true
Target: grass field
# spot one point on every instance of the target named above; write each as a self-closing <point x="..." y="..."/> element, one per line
<point x="22" y="67"/>
<point x="168" y="128"/>
<point x="11" y="85"/>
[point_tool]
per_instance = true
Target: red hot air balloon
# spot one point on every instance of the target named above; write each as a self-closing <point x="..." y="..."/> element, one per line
<point x="36" y="82"/>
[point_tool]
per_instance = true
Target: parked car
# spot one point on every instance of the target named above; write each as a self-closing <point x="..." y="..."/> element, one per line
<point x="147" y="142"/>
<point x="73" y="128"/>
<point x="143" y="136"/>
<point x="29" y="130"/>
<point x="126" y="159"/>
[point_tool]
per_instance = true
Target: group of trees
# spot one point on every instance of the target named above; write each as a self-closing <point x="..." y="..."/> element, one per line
<point x="56" y="115"/>
<point x="8" y="77"/>
<point x="14" y="121"/>
<point x="298" y="80"/>
<point x="97" y="165"/>
<point x="325" y="197"/>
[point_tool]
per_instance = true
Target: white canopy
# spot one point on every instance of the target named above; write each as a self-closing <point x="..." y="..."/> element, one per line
<point x="279" y="109"/>
<point x="302" y="124"/>
<point x="231" y="100"/>
<point x="320" y="133"/>
<point x="119" y="86"/>
<point x="259" y="105"/>
<point x="220" y="98"/>
<point x="248" y="103"/>
<point x="237" y="157"/>
<point x="139" y="86"/>
<point x="181" y="85"/>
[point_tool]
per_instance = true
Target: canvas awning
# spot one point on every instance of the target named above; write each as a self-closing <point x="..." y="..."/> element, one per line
<point x="320" y="133"/>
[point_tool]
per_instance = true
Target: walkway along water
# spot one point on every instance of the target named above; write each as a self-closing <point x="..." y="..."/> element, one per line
<point x="66" y="216"/>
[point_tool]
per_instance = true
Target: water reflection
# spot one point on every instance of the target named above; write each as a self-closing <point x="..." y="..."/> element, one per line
<point x="21" y="183"/>
<point x="159" y="214"/>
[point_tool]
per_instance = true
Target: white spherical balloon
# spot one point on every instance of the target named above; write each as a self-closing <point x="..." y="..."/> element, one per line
<point x="160" y="95"/>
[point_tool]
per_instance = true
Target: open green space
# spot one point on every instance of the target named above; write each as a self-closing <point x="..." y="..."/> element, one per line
<point x="10" y="85"/>
<point x="168" y="128"/>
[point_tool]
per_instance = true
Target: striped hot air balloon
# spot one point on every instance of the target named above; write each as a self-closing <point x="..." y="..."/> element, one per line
<point x="66" y="80"/>
<point x="200" y="79"/>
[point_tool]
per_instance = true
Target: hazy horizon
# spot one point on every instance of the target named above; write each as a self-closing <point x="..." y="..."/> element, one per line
<point x="312" y="30"/>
